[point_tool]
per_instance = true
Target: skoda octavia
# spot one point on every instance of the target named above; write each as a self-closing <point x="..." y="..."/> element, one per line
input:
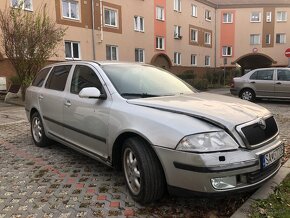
<point x="160" y="131"/>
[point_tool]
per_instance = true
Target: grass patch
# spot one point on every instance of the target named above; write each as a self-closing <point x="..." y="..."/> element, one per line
<point x="277" y="205"/>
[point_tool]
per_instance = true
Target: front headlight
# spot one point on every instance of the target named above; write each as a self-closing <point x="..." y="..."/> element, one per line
<point x="207" y="142"/>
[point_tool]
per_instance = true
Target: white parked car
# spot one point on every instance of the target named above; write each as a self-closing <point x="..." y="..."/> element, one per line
<point x="162" y="132"/>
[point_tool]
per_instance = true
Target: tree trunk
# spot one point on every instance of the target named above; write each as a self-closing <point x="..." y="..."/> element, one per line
<point x="23" y="90"/>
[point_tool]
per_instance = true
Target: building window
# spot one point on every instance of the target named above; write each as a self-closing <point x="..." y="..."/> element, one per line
<point x="72" y="50"/>
<point x="281" y="38"/>
<point x="139" y="24"/>
<point x="227" y="18"/>
<point x="207" y="15"/>
<point x="111" y="52"/>
<point x="177" y="5"/>
<point x="194" y="35"/>
<point x="268" y="39"/>
<point x="177" y="32"/>
<point x="160" y="13"/>
<point x="193" y="60"/>
<point x="24" y="4"/>
<point x="256" y="17"/>
<point x="255" y="39"/>
<point x="177" y="58"/>
<point x="281" y="16"/>
<point x="160" y="43"/>
<point x="194" y="10"/>
<point x="207" y="61"/>
<point x="227" y="51"/>
<point x="111" y="17"/>
<point x="70" y="9"/>
<point x="269" y="17"/>
<point x="139" y="55"/>
<point x="207" y="38"/>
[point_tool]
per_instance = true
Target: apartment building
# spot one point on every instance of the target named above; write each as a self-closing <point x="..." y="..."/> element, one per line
<point x="174" y="34"/>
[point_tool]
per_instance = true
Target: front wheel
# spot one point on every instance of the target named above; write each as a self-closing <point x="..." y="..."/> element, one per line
<point x="247" y="94"/>
<point x="37" y="131"/>
<point x="142" y="170"/>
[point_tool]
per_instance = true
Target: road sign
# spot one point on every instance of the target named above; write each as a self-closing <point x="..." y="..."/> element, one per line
<point x="287" y="53"/>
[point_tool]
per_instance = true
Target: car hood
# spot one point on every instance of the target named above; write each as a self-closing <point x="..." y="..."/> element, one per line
<point x="221" y="110"/>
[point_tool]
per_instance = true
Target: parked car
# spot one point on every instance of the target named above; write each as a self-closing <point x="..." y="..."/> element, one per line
<point x="263" y="83"/>
<point x="162" y="132"/>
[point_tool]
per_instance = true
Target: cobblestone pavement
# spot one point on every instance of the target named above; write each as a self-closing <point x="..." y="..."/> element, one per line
<point x="58" y="182"/>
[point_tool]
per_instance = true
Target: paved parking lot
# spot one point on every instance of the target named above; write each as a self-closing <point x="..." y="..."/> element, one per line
<point x="59" y="182"/>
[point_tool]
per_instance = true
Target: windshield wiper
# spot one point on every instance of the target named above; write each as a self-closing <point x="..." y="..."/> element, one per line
<point x="141" y="95"/>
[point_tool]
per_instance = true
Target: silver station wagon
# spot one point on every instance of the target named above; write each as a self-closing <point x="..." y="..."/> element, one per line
<point x="160" y="131"/>
<point x="263" y="83"/>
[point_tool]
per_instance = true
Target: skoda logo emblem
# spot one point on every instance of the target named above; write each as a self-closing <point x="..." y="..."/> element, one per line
<point x="262" y="124"/>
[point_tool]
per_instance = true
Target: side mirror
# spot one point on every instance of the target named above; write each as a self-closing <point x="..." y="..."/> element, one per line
<point x="91" y="92"/>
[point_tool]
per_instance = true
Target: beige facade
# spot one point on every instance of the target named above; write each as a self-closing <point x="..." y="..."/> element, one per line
<point x="174" y="34"/>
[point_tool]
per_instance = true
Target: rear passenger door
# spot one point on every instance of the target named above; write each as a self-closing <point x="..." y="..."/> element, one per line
<point x="51" y="100"/>
<point x="86" y="120"/>
<point x="282" y="84"/>
<point x="262" y="82"/>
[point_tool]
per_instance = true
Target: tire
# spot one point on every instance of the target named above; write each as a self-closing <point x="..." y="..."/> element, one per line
<point x="248" y="94"/>
<point x="37" y="131"/>
<point x="142" y="171"/>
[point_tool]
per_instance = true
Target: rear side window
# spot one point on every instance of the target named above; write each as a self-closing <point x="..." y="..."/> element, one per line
<point x="283" y="75"/>
<point x="84" y="77"/>
<point x="57" y="78"/>
<point x="262" y="75"/>
<point x="40" y="77"/>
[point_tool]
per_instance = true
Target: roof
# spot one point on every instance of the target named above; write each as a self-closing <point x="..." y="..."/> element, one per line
<point x="245" y="3"/>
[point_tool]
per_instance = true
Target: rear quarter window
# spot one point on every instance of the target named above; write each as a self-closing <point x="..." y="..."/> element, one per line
<point x="40" y="77"/>
<point x="57" y="78"/>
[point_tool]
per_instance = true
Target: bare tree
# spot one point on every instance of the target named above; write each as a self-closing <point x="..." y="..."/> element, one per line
<point x="28" y="40"/>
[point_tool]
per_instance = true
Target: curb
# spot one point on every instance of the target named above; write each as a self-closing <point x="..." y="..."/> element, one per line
<point x="264" y="192"/>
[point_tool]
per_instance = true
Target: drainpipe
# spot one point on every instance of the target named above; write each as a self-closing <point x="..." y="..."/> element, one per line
<point x="101" y="14"/>
<point x="215" y="44"/>
<point x="93" y="29"/>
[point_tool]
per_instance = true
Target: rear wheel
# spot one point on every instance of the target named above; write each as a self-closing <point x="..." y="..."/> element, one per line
<point x="37" y="131"/>
<point x="247" y="94"/>
<point x="142" y="170"/>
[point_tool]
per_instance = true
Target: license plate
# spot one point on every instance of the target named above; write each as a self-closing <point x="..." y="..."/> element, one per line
<point x="270" y="157"/>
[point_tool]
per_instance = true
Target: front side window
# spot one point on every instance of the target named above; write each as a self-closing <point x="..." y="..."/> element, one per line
<point x="40" y="77"/>
<point x="283" y="75"/>
<point x="255" y="39"/>
<point x="280" y="38"/>
<point x="207" y="61"/>
<point x="111" y="52"/>
<point x="160" y="43"/>
<point x="177" y="32"/>
<point x="160" y="13"/>
<point x="256" y="17"/>
<point x="194" y="35"/>
<point x="193" y="60"/>
<point x="111" y="17"/>
<point x="177" y="5"/>
<point x="57" y="78"/>
<point x="207" y="15"/>
<point x="139" y="24"/>
<point x="24" y="4"/>
<point x="139" y="55"/>
<point x="227" y="17"/>
<point x="262" y="75"/>
<point x="227" y="51"/>
<point x="207" y="38"/>
<point x="177" y="58"/>
<point x="281" y="16"/>
<point x="70" y="9"/>
<point x="72" y="50"/>
<point x="194" y="10"/>
<point x="84" y="77"/>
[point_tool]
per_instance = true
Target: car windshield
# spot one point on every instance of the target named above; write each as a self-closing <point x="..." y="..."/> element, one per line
<point x="141" y="81"/>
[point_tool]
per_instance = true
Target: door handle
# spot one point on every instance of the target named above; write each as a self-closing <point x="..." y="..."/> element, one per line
<point x="67" y="103"/>
<point x="253" y="82"/>
<point x="40" y="97"/>
<point x="278" y="83"/>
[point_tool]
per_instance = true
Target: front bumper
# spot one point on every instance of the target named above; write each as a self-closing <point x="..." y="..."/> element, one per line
<point x="195" y="172"/>
<point x="234" y="91"/>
